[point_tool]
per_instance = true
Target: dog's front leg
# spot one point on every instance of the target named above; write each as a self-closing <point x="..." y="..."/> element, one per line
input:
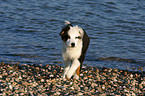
<point x="73" y="68"/>
<point x="66" y="67"/>
<point x="77" y="74"/>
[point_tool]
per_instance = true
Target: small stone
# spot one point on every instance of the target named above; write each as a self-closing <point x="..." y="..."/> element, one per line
<point x="109" y="70"/>
<point x="72" y="88"/>
<point x="58" y="93"/>
<point x="51" y="75"/>
<point x="103" y="87"/>
<point x="86" y="88"/>
<point x="81" y="74"/>
<point x="131" y="75"/>
<point x="20" y="77"/>
<point x="42" y="80"/>
<point x="71" y="83"/>
<point x="79" y="94"/>
<point x="21" y="94"/>
<point x="94" y="85"/>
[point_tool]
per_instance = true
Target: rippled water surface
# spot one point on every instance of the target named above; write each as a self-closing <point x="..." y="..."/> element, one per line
<point x="29" y="31"/>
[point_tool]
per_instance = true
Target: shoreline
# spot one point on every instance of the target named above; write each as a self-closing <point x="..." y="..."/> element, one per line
<point x="45" y="80"/>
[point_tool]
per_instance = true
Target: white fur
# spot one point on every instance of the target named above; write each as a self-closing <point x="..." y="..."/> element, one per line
<point x="71" y="54"/>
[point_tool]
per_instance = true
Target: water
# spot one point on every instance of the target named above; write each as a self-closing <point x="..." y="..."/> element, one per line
<point x="29" y="31"/>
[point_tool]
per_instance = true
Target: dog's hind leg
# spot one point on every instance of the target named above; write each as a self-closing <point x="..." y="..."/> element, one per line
<point x="73" y="68"/>
<point x="66" y="67"/>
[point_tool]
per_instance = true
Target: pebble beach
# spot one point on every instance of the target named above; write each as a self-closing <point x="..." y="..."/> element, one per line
<point x="46" y="80"/>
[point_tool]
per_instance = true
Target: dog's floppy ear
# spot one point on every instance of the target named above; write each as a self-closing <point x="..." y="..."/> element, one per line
<point x="66" y="28"/>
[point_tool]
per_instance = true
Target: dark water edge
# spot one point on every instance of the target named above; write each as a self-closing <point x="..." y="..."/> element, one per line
<point x="123" y="64"/>
<point x="110" y="62"/>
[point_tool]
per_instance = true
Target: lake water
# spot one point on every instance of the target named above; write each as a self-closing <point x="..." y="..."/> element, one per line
<point x="29" y="31"/>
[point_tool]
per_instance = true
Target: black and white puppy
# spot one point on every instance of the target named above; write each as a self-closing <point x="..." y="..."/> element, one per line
<point x="74" y="47"/>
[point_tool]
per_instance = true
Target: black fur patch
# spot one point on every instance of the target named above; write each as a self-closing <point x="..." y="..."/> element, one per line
<point x="64" y="33"/>
<point x="86" y="42"/>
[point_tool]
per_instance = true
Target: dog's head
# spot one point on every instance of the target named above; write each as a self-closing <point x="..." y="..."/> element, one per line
<point x="71" y="35"/>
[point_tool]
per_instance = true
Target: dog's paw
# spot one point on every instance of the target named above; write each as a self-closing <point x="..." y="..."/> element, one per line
<point x="64" y="78"/>
<point x="67" y="77"/>
<point x="76" y="77"/>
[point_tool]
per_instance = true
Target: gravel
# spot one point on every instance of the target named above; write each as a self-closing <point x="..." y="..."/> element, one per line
<point x="46" y="80"/>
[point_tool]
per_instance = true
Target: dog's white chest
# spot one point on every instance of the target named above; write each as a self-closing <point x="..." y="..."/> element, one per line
<point x="71" y="53"/>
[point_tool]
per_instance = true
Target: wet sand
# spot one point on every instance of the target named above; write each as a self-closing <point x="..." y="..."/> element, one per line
<point x="38" y="80"/>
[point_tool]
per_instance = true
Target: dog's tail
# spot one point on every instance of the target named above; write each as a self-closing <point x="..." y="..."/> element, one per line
<point x="67" y="23"/>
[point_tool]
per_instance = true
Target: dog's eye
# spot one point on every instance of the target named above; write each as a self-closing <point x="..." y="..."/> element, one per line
<point x="79" y="37"/>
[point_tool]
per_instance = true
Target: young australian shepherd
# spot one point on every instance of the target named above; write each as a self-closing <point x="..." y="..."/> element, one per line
<point x="74" y="47"/>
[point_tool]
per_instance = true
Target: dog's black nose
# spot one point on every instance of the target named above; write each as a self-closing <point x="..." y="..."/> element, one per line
<point x="73" y="44"/>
